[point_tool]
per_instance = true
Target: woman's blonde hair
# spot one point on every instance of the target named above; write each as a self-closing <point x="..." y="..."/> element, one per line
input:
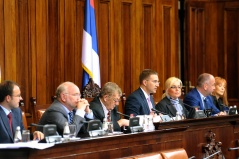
<point x="169" y="83"/>
<point x="218" y="81"/>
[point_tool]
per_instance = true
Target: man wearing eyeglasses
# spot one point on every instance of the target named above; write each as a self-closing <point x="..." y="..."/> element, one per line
<point x="10" y="113"/>
<point x="140" y="102"/>
<point x="104" y="106"/>
<point x="67" y="107"/>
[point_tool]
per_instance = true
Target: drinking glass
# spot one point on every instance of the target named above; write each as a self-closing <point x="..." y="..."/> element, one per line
<point x="25" y="135"/>
<point x="72" y="131"/>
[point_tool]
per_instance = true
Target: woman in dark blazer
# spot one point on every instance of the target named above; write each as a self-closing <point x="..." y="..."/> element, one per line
<point x="171" y="104"/>
<point x="219" y="95"/>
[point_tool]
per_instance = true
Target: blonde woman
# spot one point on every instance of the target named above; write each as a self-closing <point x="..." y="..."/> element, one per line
<point x="171" y="104"/>
<point x="219" y="95"/>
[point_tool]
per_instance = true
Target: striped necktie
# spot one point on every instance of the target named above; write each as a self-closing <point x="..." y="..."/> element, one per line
<point x="71" y="117"/>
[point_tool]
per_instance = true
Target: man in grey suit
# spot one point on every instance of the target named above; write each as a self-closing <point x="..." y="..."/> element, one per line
<point x="10" y="113"/>
<point x="68" y="103"/>
<point x="140" y="102"/>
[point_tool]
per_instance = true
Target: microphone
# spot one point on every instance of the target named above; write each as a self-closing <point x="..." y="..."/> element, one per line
<point x="37" y="125"/>
<point x="190" y="105"/>
<point x="153" y="109"/>
<point x="123" y="114"/>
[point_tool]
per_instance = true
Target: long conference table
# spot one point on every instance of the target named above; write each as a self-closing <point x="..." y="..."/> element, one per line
<point x="189" y="134"/>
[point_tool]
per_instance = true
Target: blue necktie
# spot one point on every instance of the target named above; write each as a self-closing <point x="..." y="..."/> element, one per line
<point x="70" y="117"/>
<point x="205" y="103"/>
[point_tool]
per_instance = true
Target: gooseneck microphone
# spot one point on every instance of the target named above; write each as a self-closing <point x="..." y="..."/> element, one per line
<point x="190" y="106"/>
<point x="153" y="109"/>
<point x="123" y="114"/>
<point x="37" y="125"/>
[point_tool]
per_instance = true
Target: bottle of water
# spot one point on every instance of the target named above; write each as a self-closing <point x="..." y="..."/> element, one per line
<point x="151" y="126"/>
<point x="18" y="135"/>
<point x="236" y="109"/>
<point x="178" y="117"/>
<point x="66" y="132"/>
<point x="145" y="123"/>
<point x="105" y="125"/>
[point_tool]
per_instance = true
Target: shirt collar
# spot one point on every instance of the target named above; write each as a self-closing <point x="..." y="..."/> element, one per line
<point x="145" y="94"/>
<point x="5" y="110"/>
<point x="104" y="108"/>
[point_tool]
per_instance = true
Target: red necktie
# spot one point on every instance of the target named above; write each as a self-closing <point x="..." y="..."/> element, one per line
<point x="10" y="119"/>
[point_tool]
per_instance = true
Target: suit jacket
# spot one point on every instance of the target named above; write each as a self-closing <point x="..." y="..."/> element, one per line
<point x="219" y="103"/>
<point x="57" y="115"/>
<point x="137" y="104"/>
<point x="96" y="107"/>
<point x="193" y="98"/>
<point x="167" y="107"/>
<point x="6" y="135"/>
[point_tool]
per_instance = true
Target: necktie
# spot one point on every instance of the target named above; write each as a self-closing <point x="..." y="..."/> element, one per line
<point x="10" y="119"/>
<point x="149" y="103"/>
<point x="70" y="117"/>
<point x="109" y="117"/>
<point x="205" y="103"/>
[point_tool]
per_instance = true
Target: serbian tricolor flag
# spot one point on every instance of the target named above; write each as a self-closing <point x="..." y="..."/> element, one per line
<point x="90" y="55"/>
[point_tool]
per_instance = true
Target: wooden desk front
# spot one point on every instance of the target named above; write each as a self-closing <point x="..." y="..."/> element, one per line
<point x="189" y="134"/>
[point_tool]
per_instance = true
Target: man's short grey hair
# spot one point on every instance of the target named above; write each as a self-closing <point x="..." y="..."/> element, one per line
<point x="63" y="88"/>
<point x="203" y="78"/>
<point x="109" y="89"/>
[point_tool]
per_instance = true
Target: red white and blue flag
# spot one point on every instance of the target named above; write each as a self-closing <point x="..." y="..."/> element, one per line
<point x="90" y="55"/>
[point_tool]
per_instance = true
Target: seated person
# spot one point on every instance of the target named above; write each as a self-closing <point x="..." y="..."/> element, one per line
<point x="219" y="95"/>
<point x="200" y="96"/>
<point x="171" y="103"/>
<point x="106" y="103"/>
<point x="140" y="102"/>
<point x="11" y="114"/>
<point x="67" y="107"/>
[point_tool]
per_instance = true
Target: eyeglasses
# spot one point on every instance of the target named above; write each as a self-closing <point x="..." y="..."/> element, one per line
<point x="175" y="87"/>
<point x="116" y="100"/>
<point x="75" y="95"/>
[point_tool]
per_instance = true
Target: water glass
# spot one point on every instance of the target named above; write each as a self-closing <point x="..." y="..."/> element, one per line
<point x="72" y="131"/>
<point x="25" y="135"/>
<point x="110" y="127"/>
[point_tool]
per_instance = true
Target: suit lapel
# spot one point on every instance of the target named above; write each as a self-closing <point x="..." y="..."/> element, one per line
<point x="199" y="97"/>
<point x="145" y="103"/>
<point x="6" y="122"/>
<point x="171" y="107"/>
<point x="101" y="113"/>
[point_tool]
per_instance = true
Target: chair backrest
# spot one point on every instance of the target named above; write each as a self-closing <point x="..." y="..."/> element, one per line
<point x="37" y="110"/>
<point x="91" y="90"/>
<point x="174" y="154"/>
<point x="154" y="155"/>
<point x="24" y="120"/>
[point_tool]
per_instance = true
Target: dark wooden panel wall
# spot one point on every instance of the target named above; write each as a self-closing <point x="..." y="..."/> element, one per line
<point x="41" y="41"/>
<point x="212" y="42"/>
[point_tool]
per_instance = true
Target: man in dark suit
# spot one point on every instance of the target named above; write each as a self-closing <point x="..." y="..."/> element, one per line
<point x="200" y="96"/>
<point x="104" y="106"/>
<point x="140" y="102"/>
<point x="68" y="107"/>
<point x="10" y="113"/>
